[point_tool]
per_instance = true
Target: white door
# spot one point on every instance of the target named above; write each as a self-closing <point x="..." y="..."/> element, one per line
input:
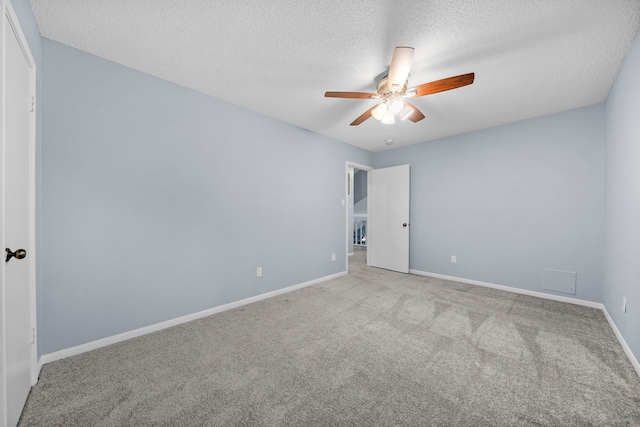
<point x="18" y="335"/>
<point x="389" y="218"/>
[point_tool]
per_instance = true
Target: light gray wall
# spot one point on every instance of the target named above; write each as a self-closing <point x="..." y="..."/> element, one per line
<point x="510" y="201"/>
<point x="360" y="207"/>
<point x="359" y="186"/>
<point x="622" y="201"/>
<point x="159" y="201"/>
<point x="360" y="192"/>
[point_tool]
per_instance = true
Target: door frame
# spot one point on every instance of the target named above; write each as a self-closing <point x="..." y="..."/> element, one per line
<point x="12" y="18"/>
<point x="349" y="164"/>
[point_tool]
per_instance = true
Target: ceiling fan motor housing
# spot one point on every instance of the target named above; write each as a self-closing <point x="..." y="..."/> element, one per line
<point x="383" y="88"/>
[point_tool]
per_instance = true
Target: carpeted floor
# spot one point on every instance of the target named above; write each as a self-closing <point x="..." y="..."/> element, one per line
<point x="373" y="348"/>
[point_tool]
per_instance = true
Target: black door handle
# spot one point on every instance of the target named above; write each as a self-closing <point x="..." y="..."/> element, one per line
<point x="19" y="254"/>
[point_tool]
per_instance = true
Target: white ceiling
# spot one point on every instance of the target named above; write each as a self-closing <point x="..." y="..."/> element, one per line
<point x="278" y="57"/>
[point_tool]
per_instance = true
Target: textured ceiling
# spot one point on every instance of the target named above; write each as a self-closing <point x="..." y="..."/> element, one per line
<point x="278" y="57"/>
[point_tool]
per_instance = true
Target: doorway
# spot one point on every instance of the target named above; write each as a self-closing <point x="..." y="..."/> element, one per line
<point x="357" y="207"/>
<point x="387" y="202"/>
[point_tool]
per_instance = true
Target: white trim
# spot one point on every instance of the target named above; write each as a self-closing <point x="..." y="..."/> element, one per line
<point x="510" y="289"/>
<point x="94" y="345"/>
<point x="15" y="25"/>
<point x="347" y="238"/>
<point x="39" y="368"/>
<point x="359" y="166"/>
<point x="623" y="343"/>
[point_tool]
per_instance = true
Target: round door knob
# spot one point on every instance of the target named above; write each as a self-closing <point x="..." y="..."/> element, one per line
<point x="404" y="225"/>
<point x="19" y="254"/>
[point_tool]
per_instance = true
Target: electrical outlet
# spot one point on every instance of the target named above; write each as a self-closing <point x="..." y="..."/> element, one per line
<point x="624" y="304"/>
<point x="454" y="259"/>
<point x="333" y="257"/>
<point x="259" y="272"/>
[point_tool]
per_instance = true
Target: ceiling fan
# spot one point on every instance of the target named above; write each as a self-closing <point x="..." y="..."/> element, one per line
<point x="393" y="93"/>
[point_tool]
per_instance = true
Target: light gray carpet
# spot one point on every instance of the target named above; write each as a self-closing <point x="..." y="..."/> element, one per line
<point x="373" y="348"/>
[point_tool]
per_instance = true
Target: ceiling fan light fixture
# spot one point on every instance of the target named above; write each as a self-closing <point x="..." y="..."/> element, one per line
<point x="389" y="118"/>
<point x="379" y="111"/>
<point x="396" y="105"/>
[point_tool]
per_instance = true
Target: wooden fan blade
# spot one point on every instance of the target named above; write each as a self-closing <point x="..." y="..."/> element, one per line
<point x="355" y="95"/>
<point x="444" y="84"/>
<point x="364" y="116"/>
<point x="400" y="67"/>
<point x="416" y="115"/>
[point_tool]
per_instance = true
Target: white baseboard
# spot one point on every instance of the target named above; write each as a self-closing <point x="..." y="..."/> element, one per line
<point x="623" y="343"/>
<point x="511" y="289"/>
<point x="93" y="345"/>
<point x="591" y="304"/>
<point x="39" y="369"/>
